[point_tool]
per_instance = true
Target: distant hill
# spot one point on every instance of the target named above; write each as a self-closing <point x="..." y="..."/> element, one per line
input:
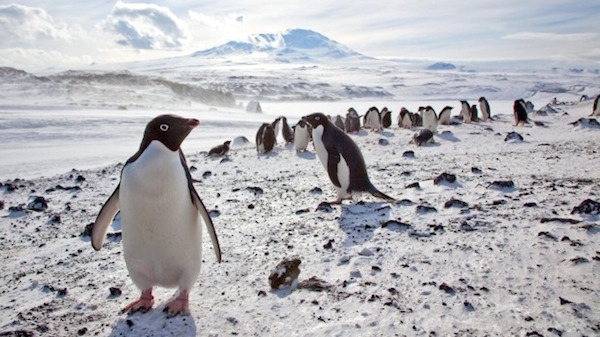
<point x="441" y="66"/>
<point x="288" y="46"/>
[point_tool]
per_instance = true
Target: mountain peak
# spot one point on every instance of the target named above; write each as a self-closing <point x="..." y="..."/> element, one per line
<point x="287" y="46"/>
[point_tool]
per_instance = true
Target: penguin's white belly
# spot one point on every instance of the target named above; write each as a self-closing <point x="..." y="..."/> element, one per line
<point x="343" y="171"/>
<point x="406" y="122"/>
<point x="429" y="121"/>
<point x="162" y="236"/>
<point x="300" y="138"/>
<point x="373" y="121"/>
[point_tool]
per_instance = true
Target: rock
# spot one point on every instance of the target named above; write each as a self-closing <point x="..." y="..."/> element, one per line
<point x="355" y="274"/>
<point x="383" y="142"/>
<point x="315" y="284"/>
<point x="563" y="220"/>
<point x="564" y="301"/>
<point x="468" y="306"/>
<point x="329" y="244"/>
<point x="423" y="209"/>
<point x="55" y="218"/>
<point x="114" y="291"/>
<point x="476" y="170"/>
<point x="408" y="154"/>
<point x="502" y="184"/>
<point x="591" y="123"/>
<point x="366" y="252"/>
<point x="206" y="174"/>
<point x="302" y="211"/>
<point x="456" y="204"/>
<point x="393" y="224"/>
<point x="285" y="273"/>
<point x="447" y="289"/>
<point x="325" y="207"/>
<point x="530" y="204"/>
<point x="579" y="260"/>
<point x="39" y="204"/>
<point x="80" y="179"/>
<point x="444" y="177"/>
<point x="316" y="190"/>
<point x="547" y="236"/>
<point x="255" y="189"/>
<point x="87" y="231"/>
<point x="513" y="137"/>
<point x="413" y="185"/>
<point x="587" y="206"/>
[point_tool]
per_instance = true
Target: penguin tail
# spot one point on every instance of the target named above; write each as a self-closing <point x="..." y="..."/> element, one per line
<point x="378" y="194"/>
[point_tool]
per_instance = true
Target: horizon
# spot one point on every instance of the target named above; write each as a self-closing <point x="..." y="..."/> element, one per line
<point x="40" y="35"/>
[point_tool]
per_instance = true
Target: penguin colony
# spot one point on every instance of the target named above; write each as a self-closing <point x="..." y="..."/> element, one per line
<point x="162" y="213"/>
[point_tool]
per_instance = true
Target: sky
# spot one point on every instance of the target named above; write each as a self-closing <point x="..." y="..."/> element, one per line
<point x="38" y="34"/>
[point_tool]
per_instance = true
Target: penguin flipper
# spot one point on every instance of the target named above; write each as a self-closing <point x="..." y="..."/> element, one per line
<point x="201" y="208"/>
<point x="105" y="217"/>
<point x="333" y="159"/>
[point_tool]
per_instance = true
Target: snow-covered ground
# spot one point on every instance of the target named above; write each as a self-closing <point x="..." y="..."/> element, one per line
<point x="505" y="261"/>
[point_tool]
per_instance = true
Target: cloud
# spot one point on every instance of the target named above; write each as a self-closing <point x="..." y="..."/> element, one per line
<point x="27" y="26"/>
<point x="550" y="36"/>
<point x="147" y="26"/>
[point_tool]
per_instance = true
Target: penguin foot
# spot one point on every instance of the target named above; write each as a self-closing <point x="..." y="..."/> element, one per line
<point x="180" y="305"/>
<point x="144" y="304"/>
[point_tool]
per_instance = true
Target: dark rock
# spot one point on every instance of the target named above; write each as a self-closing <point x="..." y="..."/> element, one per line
<point x="579" y="260"/>
<point x="325" y="207"/>
<point x="422" y="209"/>
<point x="394" y="224"/>
<point x="225" y="160"/>
<point x="315" y="284"/>
<point x="80" y="179"/>
<point x="555" y="331"/>
<point x="538" y="123"/>
<point x="408" y="154"/>
<point x="476" y="170"/>
<point x="447" y="289"/>
<point x="533" y="334"/>
<point x="256" y="190"/>
<point x="587" y="123"/>
<point x="564" y="301"/>
<point x="214" y="213"/>
<point x="404" y="202"/>
<point x="563" y="220"/>
<point x="456" y="204"/>
<point x="115" y="292"/>
<point x="82" y="331"/>
<point x="513" y="136"/>
<point x="262" y="293"/>
<point x="18" y="333"/>
<point x="16" y="209"/>
<point x="587" y="206"/>
<point x="206" y="174"/>
<point x="468" y="306"/>
<point x="502" y="184"/>
<point x="10" y="187"/>
<point x="445" y="177"/>
<point x="466" y="227"/>
<point x="413" y="185"/>
<point x="302" y="211"/>
<point x="129" y="323"/>
<point x="251" y="206"/>
<point x="87" y="231"/>
<point x="530" y="204"/>
<point x="329" y="244"/>
<point x="39" y="204"/>
<point x="383" y="142"/>
<point x="547" y="236"/>
<point x="55" y="218"/>
<point x="316" y="190"/>
<point x="285" y="273"/>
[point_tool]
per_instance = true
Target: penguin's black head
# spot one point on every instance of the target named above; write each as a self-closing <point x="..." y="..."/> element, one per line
<point x="481" y="98"/>
<point x="227" y="143"/>
<point x="316" y="119"/>
<point x="170" y="130"/>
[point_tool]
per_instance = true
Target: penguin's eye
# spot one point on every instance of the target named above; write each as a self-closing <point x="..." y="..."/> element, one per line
<point x="317" y="118"/>
<point x="164" y="127"/>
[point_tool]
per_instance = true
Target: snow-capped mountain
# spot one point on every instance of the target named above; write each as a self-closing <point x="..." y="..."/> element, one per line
<point x="290" y="45"/>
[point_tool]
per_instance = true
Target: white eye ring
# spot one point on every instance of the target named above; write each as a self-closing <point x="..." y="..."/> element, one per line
<point x="164" y="127"/>
<point x="317" y="118"/>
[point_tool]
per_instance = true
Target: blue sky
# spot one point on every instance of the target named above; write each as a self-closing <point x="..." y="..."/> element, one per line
<point x="65" y="33"/>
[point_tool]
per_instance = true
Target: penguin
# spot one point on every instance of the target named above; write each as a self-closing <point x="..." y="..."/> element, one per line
<point x="339" y="122"/>
<point x="520" y="112"/>
<point x="302" y="133"/>
<point x="386" y="118"/>
<point x="372" y="119"/>
<point x="286" y="131"/>
<point x="430" y="119"/>
<point x="444" y="116"/>
<point x="465" y="112"/>
<point x="219" y="150"/>
<point x="416" y="119"/>
<point x="352" y="122"/>
<point x="422" y="137"/>
<point x="342" y="159"/>
<point x="596" y="107"/>
<point x="484" y="106"/>
<point x="404" y="120"/>
<point x="276" y="125"/>
<point x="265" y="138"/>
<point x="161" y="216"/>
<point x="474" y="113"/>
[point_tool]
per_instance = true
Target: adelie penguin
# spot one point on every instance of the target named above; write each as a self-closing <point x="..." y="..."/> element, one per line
<point x="484" y="107"/>
<point x="265" y="138"/>
<point x="352" y="122"/>
<point x="430" y="119"/>
<point x="444" y="116"/>
<point x="465" y="112"/>
<point x="596" y="107"/>
<point x="161" y="216"/>
<point x="372" y="119"/>
<point x="219" y="150"/>
<point x="342" y="159"/>
<point x="404" y="118"/>
<point x="520" y="112"/>
<point x="302" y="134"/>
<point x="386" y="118"/>
<point x="286" y="131"/>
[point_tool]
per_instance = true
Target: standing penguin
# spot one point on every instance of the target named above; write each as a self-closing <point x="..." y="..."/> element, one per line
<point x="465" y="112"/>
<point x="220" y="150"/>
<point x="386" y="118"/>
<point x="286" y="131"/>
<point x="342" y="159"/>
<point x="430" y="121"/>
<point x="160" y="216"/>
<point x="484" y="106"/>
<point x="276" y="125"/>
<point x="302" y="133"/>
<point x="339" y="122"/>
<point x="474" y="113"/>
<point x="404" y="120"/>
<point x="444" y="116"/>
<point x="520" y="112"/>
<point x="372" y="119"/>
<point x="352" y="122"/>
<point x="265" y="138"/>
<point x="596" y="107"/>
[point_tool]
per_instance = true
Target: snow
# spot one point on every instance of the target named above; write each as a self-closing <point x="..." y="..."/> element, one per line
<point x="467" y="257"/>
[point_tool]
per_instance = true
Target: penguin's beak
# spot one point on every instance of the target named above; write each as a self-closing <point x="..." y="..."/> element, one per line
<point x="193" y="122"/>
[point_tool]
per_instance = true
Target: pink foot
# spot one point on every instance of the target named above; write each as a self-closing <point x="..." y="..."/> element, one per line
<point x="180" y="305"/>
<point x="144" y="304"/>
<point x="334" y="202"/>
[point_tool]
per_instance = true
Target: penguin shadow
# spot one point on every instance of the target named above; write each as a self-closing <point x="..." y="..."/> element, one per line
<point x="384" y="133"/>
<point x="359" y="220"/>
<point x="448" y="136"/>
<point x="306" y="155"/>
<point x="146" y="324"/>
